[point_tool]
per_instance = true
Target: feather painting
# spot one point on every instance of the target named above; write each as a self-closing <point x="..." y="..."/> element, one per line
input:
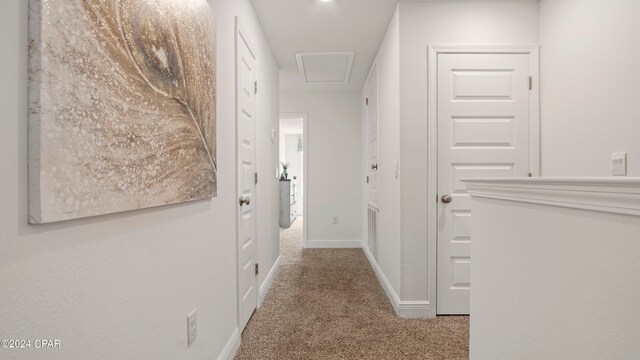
<point x="122" y="105"/>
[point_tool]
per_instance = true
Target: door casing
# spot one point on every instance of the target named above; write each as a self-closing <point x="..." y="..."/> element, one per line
<point x="432" y="183"/>
<point x="305" y="166"/>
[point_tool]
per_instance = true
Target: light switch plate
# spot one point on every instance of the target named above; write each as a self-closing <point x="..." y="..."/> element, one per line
<point x="619" y="163"/>
<point x="192" y="327"/>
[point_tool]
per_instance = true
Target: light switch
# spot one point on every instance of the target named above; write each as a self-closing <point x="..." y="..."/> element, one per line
<point x="619" y="163"/>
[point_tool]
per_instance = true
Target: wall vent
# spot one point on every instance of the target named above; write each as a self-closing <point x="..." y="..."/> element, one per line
<point x="372" y="225"/>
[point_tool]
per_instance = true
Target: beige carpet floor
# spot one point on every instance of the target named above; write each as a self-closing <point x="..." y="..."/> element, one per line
<point x="328" y="304"/>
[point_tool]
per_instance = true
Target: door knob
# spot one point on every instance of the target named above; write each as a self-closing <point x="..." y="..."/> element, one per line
<point x="446" y="199"/>
<point x="245" y="200"/>
<point x="374" y="166"/>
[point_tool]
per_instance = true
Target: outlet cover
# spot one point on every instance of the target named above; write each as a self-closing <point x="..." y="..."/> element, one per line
<point x="619" y="163"/>
<point x="192" y="327"/>
<point x="336" y="220"/>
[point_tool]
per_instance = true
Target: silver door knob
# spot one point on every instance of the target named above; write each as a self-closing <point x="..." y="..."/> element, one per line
<point x="374" y="166"/>
<point x="446" y="199"/>
<point x="245" y="200"/>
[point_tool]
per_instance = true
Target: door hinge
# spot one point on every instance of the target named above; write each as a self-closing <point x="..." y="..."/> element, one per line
<point x="255" y="87"/>
<point x="367" y="179"/>
<point x="256" y="178"/>
<point x="530" y="82"/>
<point x="366" y="101"/>
<point x="257" y="268"/>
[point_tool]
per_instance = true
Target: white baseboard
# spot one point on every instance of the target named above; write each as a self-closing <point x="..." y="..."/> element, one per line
<point x="232" y="346"/>
<point x="334" y="244"/>
<point x="386" y="285"/>
<point x="415" y="310"/>
<point x="266" y="284"/>
<point x="404" y="309"/>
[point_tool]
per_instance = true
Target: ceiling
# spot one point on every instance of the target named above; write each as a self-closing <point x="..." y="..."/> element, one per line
<point x="295" y="27"/>
<point x="310" y="26"/>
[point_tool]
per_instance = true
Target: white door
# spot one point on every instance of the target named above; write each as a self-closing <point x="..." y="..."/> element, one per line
<point x="372" y="137"/>
<point x="246" y="149"/>
<point x="483" y="131"/>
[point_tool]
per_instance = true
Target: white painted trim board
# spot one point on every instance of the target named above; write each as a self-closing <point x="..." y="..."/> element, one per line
<point x="268" y="281"/>
<point x="404" y="309"/>
<point x="611" y="195"/>
<point x="231" y="347"/>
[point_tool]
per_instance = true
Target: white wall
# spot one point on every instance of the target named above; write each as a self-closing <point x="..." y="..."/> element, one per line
<point x="439" y="23"/>
<point x="553" y="282"/>
<point x="403" y="244"/>
<point x="268" y="118"/>
<point x="388" y="236"/>
<point x="333" y="144"/>
<point x="589" y="89"/>
<point x="121" y="285"/>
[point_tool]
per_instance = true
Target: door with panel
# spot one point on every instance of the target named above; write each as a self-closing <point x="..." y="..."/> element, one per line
<point x="372" y="137"/>
<point x="246" y="176"/>
<point x="483" y="131"/>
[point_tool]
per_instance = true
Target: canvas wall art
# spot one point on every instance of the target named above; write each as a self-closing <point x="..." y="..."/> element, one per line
<point x="122" y="101"/>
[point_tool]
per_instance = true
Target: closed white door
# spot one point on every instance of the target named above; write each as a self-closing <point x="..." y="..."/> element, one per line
<point x="483" y="131"/>
<point x="246" y="147"/>
<point x="372" y="137"/>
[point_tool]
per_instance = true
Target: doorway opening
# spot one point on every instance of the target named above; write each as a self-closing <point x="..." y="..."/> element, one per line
<point x="293" y="183"/>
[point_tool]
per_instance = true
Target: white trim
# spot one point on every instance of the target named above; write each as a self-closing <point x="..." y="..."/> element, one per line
<point x="432" y="183"/>
<point x="268" y="281"/>
<point x="334" y="244"/>
<point x="347" y="74"/>
<point x="231" y="347"/>
<point x="404" y="309"/>
<point x="414" y="309"/>
<point x="394" y="299"/>
<point x="305" y="170"/>
<point x="618" y="196"/>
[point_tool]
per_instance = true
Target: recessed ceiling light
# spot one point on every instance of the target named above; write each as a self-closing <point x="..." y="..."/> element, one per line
<point x="326" y="1"/>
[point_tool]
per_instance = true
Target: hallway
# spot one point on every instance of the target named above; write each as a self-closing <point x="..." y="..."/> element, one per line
<point x="328" y="304"/>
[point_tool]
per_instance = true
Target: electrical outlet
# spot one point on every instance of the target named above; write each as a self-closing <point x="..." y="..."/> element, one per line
<point x="336" y="220"/>
<point x="192" y="327"/>
<point x="619" y="163"/>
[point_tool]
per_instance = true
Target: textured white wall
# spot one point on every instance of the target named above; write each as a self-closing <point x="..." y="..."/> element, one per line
<point x="439" y="23"/>
<point x="553" y="283"/>
<point x="120" y="286"/>
<point x="334" y="186"/>
<point x="268" y="117"/>
<point x="589" y="90"/>
<point x="388" y="241"/>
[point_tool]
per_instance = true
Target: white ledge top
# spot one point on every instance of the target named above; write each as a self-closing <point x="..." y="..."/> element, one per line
<point x="620" y="195"/>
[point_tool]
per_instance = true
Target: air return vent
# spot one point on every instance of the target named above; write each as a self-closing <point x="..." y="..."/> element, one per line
<point x="326" y="67"/>
<point x="372" y="225"/>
